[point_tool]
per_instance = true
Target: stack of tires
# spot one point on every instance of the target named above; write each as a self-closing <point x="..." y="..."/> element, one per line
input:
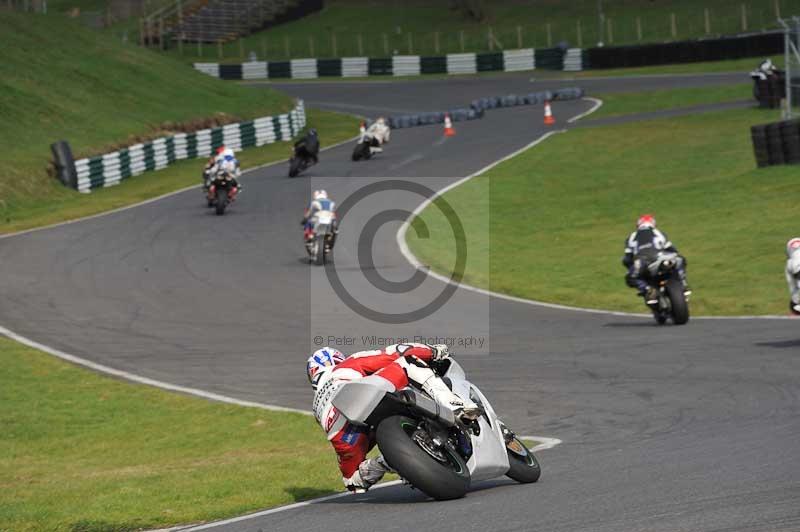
<point x="776" y="143"/>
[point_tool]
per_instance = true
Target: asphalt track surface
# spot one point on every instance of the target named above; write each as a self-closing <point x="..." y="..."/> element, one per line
<point x="664" y="428"/>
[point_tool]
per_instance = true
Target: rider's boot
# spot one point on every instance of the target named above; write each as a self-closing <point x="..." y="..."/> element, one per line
<point x="465" y="409"/>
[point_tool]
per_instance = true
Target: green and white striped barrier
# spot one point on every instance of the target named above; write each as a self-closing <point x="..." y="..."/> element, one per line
<point x="111" y="168"/>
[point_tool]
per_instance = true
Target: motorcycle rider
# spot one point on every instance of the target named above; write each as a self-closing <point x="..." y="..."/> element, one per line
<point x="380" y="134"/>
<point x="768" y="68"/>
<point x="641" y="248"/>
<point x="208" y="173"/>
<point x="227" y="163"/>
<point x="308" y="146"/>
<point x="395" y="366"/>
<point x="319" y="202"/>
<point x="793" y="274"/>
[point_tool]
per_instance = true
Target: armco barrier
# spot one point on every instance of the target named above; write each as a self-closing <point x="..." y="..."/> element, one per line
<point x="111" y="168"/>
<point x="756" y="45"/>
<point x="776" y="143"/>
<point x="400" y="65"/>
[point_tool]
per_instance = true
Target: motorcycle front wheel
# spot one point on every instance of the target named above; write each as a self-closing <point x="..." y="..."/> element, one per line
<point x="222" y="201"/>
<point x="440" y="473"/>
<point x="294" y="167"/>
<point x="523" y="464"/>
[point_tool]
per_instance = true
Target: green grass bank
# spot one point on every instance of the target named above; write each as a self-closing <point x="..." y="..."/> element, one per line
<point x="377" y="29"/>
<point x="553" y="223"/>
<point x="63" y="81"/>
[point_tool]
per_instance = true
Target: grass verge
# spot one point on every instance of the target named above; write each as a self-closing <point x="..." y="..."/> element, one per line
<point x="377" y="29"/>
<point x="618" y="104"/>
<point x="553" y="224"/>
<point x="83" y="452"/>
<point x="68" y="205"/>
<point x="64" y="81"/>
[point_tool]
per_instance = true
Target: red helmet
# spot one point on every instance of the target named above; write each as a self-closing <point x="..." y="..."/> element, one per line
<point x="646" y="220"/>
<point x="792" y="246"/>
<point x="220" y="149"/>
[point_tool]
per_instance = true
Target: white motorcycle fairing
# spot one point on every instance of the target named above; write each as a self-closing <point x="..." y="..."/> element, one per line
<point x="357" y="400"/>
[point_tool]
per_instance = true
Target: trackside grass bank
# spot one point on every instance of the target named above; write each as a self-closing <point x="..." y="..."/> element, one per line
<point x="84" y="452"/>
<point x="80" y="451"/>
<point x="617" y="104"/>
<point x="63" y="81"/>
<point x="558" y="215"/>
<point x="63" y="205"/>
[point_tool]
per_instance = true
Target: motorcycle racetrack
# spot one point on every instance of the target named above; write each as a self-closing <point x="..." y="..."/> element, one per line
<point x="692" y="428"/>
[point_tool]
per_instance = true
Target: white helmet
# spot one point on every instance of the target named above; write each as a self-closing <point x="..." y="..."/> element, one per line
<point x="793" y="247"/>
<point x="322" y="361"/>
<point x="320" y="194"/>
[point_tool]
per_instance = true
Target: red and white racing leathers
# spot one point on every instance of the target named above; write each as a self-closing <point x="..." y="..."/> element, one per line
<point x="396" y="364"/>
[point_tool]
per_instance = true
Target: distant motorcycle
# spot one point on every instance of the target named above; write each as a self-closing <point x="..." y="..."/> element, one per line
<point x="673" y="301"/>
<point x="221" y="192"/>
<point x="319" y="246"/>
<point x="299" y="162"/>
<point x="426" y="444"/>
<point x="366" y="146"/>
<point x="762" y="74"/>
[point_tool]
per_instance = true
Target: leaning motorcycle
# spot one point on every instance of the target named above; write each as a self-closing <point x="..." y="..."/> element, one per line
<point x="673" y="301"/>
<point x="320" y="244"/>
<point x="425" y="443"/>
<point x="221" y="192"/>
<point x="299" y="162"/>
<point x="363" y="148"/>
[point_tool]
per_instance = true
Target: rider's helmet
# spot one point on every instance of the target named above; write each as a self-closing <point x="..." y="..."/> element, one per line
<point x="322" y="361"/>
<point x="767" y="65"/>
<point x="220" y="149"/>
<point x="312" y="132"/>
<point x="319" y="194"/>
<point x="646" y="221"/>
<point x="381" y="120"/>
<point x="793" y="247"/>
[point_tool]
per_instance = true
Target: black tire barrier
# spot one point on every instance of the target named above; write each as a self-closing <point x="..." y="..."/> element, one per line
<point x="776" y="143"/>
<point x="65" y="164"/>
<point x="757" y="45"/>
<point x="479" y="106"/>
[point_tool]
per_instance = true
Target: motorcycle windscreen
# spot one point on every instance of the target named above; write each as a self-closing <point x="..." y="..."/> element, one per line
<point x="356" y="400"/>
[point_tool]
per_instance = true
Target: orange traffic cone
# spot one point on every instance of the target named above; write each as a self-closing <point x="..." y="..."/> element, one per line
<point x="449" y="131"/>
<point x="549" y="119"/>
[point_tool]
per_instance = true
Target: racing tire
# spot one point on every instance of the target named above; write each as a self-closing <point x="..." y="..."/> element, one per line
<point x="523" y="465"/>
<point x="680" y="307"/>
<point x="319" y="257"/>
<point x="424" y="472"/>
<point x="222" y="202"/>
<point x="294" y="167"/>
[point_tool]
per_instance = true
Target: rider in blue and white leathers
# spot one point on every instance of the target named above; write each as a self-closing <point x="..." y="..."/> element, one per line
<point x="319" y="202"/>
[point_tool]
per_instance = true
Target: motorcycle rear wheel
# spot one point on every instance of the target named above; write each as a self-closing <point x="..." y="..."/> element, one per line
<point x="319" y="257"/>
<point x="524" y="467"/>
<point x="294" y="167"/>
<point x="222" y="202"/>
<point x="680" y="308"/>
<point x="442" y="480"/>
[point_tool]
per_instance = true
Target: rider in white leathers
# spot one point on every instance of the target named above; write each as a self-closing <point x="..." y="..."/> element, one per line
<point x="793" y="274"/>
<point x="394" y="366"/>
<point x="380" y="132"/>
